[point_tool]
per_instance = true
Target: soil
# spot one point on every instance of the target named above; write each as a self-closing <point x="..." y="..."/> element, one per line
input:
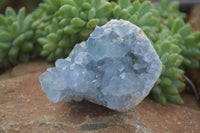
<point x="24" y="108"/>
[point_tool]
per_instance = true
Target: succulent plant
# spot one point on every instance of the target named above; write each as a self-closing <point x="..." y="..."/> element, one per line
<point x="180" y="51"/>
<point x="170" y="82"/>
<point x="71" y="23"/>
<point x="59" y="25"/>
<point x="188" y="41"/>
<point x="16" y="36"/>
<point x="181" y="32"/>
<point x="167" y="10"/>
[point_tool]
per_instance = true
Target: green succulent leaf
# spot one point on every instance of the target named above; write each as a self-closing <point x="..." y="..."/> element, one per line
<point x="10" y="12"/>
<point x="4" y="46"/>
<point x="124" y="3"/>
<point x="78" y="22"/>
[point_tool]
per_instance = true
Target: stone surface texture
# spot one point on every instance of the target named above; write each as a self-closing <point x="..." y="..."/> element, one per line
<point x="194" y="18"/>
<point x="116" y="68"/>
<point x="24" y="108"/>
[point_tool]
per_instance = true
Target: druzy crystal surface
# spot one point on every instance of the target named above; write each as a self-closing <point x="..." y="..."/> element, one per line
<point x="116" y="68"/>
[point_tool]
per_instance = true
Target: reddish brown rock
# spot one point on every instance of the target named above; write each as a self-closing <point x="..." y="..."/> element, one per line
<point x="24" y="108"/>
<point x="194" y="18"/>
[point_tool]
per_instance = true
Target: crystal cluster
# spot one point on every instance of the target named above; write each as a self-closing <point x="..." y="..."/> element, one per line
<point x="116" y="68"/>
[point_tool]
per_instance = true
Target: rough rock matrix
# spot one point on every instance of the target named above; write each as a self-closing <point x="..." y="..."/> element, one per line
<point x="116" y="68"/>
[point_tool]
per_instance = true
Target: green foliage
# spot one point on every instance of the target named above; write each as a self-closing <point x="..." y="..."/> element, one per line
<point x="176" y="46"/>
<point x="16" y="36"/>
<point x="59" y="25"/>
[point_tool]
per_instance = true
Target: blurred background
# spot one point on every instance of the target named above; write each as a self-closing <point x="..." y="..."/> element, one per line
<point x="185" y="5"/>
<point x="16" y="4"/>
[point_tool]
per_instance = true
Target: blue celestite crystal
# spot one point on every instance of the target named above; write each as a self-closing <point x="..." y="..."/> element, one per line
<point x="116" y="68"/>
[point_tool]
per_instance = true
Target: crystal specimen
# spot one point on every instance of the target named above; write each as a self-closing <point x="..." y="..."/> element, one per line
<point x="116" y="68"/>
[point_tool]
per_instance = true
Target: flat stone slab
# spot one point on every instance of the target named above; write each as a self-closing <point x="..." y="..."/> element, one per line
<point x="24" y="108"/>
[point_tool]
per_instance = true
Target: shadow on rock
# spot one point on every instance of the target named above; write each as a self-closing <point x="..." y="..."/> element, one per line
<point x="85" y="108"/>
<point x="92" y="116"/>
